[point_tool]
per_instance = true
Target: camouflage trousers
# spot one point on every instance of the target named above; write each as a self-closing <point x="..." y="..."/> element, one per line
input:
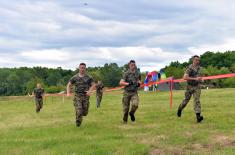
<point x="129" y="98"/>
<point x="39" y="104"/>
<point x="98" y="99"/>
<point x="196" y="92"/>
<point x="81" y="104"/>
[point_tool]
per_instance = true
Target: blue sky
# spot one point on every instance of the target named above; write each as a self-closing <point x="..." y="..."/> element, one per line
<point x="59" y="33"/>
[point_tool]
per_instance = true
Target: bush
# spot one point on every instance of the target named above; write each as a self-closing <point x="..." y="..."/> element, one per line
<point x="54" y="89"/>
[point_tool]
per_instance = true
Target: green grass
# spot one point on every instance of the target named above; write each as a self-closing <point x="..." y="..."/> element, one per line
<point x="157" y="130"/>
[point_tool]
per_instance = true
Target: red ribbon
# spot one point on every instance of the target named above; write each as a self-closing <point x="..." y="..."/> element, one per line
<point x="170" y="80"/>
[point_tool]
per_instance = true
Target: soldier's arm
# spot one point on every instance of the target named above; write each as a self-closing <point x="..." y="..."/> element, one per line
<point x="102" y="90"/>
<point x="123" y="80"/>
<point x="69" y="86"/>
<point x="123" y="83"/>
<point x="186" y="77"/>
<point x="43" y="93"/>
<point x="139" y="80"/>
<point x="93" y="86"/>
<point x="33" y="93"/>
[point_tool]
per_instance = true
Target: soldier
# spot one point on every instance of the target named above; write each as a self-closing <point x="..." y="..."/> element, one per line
<point x="38" y="93"/>
<point x="192" y="75"/>
<point x="83" y="89"/>
<point x="99" y="93"/>
<point x="131" y="81"/>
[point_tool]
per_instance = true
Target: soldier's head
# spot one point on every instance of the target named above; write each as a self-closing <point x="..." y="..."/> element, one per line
<point x="132" y="65"/>
<point x="196" y="60"/>
<point x="39" y="85"/>
<point x="82" y="68"/>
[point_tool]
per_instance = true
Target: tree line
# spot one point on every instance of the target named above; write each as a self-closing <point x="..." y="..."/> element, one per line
<point x="21" y="81"/>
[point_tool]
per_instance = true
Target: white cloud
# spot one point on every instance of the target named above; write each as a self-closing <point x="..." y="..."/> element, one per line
<point x="154" y="33"/>
<point x="146" y="58"/>
<point x="46" y="55"/>
<point x="227" y="45"/>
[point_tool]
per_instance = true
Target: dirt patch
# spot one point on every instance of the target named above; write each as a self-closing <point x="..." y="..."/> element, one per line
<point x="197" y="146"/>
<point x="208" y="146"/>
<point x="156" y="152"/>
<point x="221" y="140"/>
<point x="150" y="141"/>
<point x="224" y="141"/>
<point x="188" y="134"/>
<point x="172" y="151"/>
<point x="151" y="126"/>
<point x="153" y="140"/>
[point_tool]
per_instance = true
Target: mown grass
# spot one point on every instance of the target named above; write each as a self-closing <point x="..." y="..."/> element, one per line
<point x="157" y="130"/>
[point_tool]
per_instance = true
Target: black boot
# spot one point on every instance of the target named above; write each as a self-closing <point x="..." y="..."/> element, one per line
<point x="37" y="110"/>
<point x="125" y="118"/>
<point x="179" y="112"/>
<point x="78" y="123"/>
<point x="199" y="117"/>
<point x="132" y="116"/>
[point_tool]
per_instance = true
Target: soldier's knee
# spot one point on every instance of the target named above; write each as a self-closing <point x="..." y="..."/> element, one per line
<point x="124" y="101"/>
<point x="126" y="111"/>
<point x="197" y="102"/>
<point x="187" y="99"/>
<point x="135" y="107"/>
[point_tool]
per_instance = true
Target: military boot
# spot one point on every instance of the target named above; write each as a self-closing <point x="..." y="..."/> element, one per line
<point x="132" y="116"/>
<point x="179" y="112"/>
<point x="199" y="117"/>
<point x="78" y="123"/>
<point x="125" y="117"/>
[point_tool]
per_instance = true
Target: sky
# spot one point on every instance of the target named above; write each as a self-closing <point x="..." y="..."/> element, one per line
<point x="63" y="33"/>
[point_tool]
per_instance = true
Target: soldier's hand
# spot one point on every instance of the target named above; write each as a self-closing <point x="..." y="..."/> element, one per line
<point x="88" y="93"/>
<point x="199" y="78"/>
<point x="126" y="83"/>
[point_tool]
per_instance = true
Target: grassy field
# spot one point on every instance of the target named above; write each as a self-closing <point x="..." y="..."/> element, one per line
<point x="157" y="130"/>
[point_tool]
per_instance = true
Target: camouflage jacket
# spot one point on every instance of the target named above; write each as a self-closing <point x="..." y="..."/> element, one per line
<point x="99" y="88"/>
<point x="132" y="78"/>
<point x="193" y="72"/>
<point x="81" y="84"/>
<point x="38" y="92"/>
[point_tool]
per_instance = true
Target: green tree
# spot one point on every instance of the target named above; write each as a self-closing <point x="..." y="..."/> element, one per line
<point x="111" y="74"/>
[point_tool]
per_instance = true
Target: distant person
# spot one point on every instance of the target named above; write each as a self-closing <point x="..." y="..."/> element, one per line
<point x="83" y="85"/>
<point x="99" y="93"/>
<point x="131" y="81"/>
<point x="192" y="75"/>
<point x="38" y="92"/>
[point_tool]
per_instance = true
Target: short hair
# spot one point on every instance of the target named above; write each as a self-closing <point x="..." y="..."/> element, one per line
<point x="82" y="64"/>
<point x="195" y="56"/>
<point x="132" y="61"/>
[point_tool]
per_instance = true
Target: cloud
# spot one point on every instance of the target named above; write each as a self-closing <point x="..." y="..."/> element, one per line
<point x="145" y="57"/>
<point x="154" y="33"/>
<point x="227" y="45"/>
<point x="46" y="55"/>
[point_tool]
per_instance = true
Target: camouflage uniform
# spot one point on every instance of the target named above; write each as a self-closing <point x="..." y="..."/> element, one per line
<point x="81" y="100"/>
<point x="130" y="94"/>
<point x="193" y="88"/>
<point x="99" y="94"/>
<point x="38" y="92"/>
